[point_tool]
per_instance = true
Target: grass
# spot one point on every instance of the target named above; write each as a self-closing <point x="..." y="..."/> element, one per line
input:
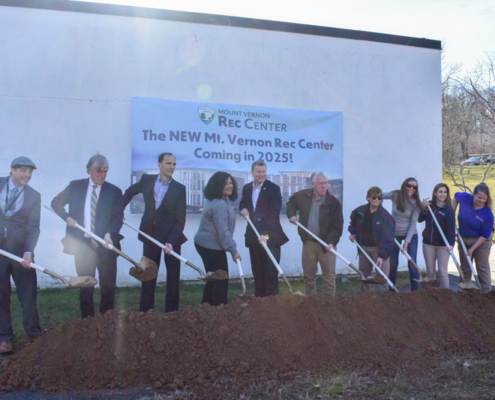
<point x="472" y="176"/>
<point x="453" y="379"/>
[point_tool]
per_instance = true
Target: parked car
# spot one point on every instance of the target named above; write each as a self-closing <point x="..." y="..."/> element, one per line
<point x="488" y="159"/>
<point x="471" y="161"/>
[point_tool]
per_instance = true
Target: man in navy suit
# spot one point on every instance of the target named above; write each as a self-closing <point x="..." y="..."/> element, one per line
<point x="97" y="205"/>
<point x="164" y="219"/>
<point x="19" y="231"/>
<point x="262" y="202"/>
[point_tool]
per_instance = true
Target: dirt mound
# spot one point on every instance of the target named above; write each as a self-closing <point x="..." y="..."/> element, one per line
<point x="207" y="347"/>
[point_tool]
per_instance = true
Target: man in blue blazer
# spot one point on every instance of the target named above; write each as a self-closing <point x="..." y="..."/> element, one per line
<point x="19" y="231"/>
<point x="164" y="219"/>
<point x="262" y="202"/>
<point x="97" y="205"/>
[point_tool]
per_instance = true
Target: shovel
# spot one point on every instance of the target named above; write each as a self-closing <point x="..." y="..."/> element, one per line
<point x="425" y="282"/>
<point x="73" y="283"/>
<point x="363" y="278"/>
<point x="273" y="258"/>
<point x="210" y="276"/>
<point x="462" y="285"/>
<point x="145" y="271"/>
<point x="243" y="296"/>
<point x="376" y="266"/>
<point x="470" y="262"/>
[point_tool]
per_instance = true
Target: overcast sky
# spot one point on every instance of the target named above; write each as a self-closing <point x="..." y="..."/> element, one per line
<point x="465" y="27"/>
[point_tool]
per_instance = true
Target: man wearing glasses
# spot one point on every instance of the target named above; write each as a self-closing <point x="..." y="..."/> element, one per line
<point x="373" y="227"/>
<point x="321" y="213"/>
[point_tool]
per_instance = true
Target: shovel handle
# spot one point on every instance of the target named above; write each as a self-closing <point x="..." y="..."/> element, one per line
<point x="101" y="241"/>
<point x="446" y="242"/>
<point x="332" y="250"/>
<point x="470" y="262"/>
<point x="34" y="266"/>
<point x="409" y="258"/>
<point x="163" y="247"/>
<point x="20" y="259"/>
<point x="270" y="255"/>
<point x="265" y="247"/>
<point x="376" y="267"/>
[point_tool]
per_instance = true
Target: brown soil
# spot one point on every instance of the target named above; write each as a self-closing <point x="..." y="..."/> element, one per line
<point x="82" y="281"/>
<point x="217" y="275"/>
<point x="217" y="351"/>
<point x="147" y="273"/>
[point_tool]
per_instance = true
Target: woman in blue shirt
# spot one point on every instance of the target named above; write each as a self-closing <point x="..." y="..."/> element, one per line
<point x="476" y="229"/>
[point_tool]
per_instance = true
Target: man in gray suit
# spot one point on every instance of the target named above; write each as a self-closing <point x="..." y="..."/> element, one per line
<point x="19" y="231"/>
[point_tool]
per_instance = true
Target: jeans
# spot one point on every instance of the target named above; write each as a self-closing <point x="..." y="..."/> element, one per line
<point x="412" y="250"/>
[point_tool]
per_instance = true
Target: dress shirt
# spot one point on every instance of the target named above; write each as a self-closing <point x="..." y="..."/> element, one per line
<point x="160" y="190"/>
<point x="87" y="205"/>
<point x="3" y="195"/>
<point x="256" y="194"/>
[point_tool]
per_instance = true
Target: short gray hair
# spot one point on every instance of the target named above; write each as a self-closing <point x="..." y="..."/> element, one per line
<point x="97" y="161"/>
<point x="316" y="174"/>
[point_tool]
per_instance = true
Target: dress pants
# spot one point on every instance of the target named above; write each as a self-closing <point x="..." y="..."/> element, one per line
<point x="87" y="260"/>
<point x="312" y="253"/>
<point x="25" y="281"/>
<point x="215" y="292"/>
<point x="480" y="261"/>
<point x="147" y="302"/>
<point x="265" y="274"/>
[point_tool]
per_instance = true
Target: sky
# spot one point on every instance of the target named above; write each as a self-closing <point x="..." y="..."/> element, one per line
<point x="465" y="27"/>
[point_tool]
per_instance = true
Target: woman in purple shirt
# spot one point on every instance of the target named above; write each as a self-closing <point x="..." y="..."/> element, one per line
<point x="476" y="229"/>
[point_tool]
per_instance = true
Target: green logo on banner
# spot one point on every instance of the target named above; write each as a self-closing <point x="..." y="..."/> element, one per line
<point x="207" y="114"/>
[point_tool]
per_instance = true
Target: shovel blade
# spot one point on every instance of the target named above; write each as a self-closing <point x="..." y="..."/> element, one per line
<point x="378" y="280"/>
<point x="434" y="283"/>
<point x="147" y="270"/>
<point x="467" y="286"/>
<point x="217" y="275"/>
<point x="82" y="282"/>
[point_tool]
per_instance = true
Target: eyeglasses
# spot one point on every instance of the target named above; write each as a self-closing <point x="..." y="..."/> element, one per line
<point x="411" y="186"/>
<point x="376" y="197"/>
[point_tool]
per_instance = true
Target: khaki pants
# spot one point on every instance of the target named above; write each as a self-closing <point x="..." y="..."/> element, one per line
<point x="440" y="254"/>
<point x="480" y="260"/>
<point x="366" y="267"/>
<point x="312" y="253"/>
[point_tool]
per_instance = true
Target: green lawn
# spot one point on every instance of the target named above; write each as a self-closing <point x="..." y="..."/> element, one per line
<point x="472" y="176"/>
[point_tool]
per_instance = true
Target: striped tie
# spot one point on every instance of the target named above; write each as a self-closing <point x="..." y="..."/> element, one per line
<point x="11" y="202"/>
<point x="94" y="202"/>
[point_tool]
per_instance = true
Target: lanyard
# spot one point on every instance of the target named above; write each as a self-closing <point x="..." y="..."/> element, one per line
<point x="9" y="206"/>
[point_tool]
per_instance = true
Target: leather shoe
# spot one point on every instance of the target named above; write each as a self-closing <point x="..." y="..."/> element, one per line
<point x="6" y="347"/>
<point x="33" y="339"/>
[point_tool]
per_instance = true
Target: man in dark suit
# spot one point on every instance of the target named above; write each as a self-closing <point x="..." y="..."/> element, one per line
<point x="19" y="231"/>
<point x="97" y="205"/>
<point x="164" y="219"/>
<point x="262" y="202"/>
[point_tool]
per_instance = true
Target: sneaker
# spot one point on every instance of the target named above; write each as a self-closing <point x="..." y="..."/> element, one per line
<point x="6" y="347"/>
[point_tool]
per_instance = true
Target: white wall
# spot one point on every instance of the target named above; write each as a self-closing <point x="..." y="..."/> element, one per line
<point x="66" y="82"/>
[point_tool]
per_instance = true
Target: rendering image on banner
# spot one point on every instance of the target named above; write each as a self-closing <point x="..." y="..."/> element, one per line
<point x="208" y="137"/>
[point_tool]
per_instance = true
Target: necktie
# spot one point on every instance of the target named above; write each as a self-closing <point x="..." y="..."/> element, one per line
<point x="11" y="202"/>
<point x="94" y="202"/>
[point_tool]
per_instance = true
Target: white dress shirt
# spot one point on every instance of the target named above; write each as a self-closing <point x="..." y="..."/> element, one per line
<point x="256" y="194"/>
